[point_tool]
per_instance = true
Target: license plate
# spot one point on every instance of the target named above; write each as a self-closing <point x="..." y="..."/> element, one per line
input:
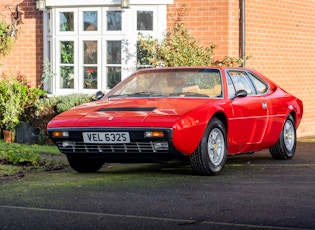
<point x="106" y="137"/>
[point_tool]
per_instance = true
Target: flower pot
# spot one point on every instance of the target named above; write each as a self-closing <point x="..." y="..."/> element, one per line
<point x="7" y="136"/>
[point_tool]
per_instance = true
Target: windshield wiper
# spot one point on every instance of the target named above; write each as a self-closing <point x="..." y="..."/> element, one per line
<point x="118" y="95"/>
<point x="138" y="94"/>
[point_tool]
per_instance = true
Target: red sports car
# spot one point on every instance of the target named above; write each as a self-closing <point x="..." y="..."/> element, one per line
<point x="201" y="114"/>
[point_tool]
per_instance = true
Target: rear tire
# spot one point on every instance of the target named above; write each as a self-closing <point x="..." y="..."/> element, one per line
<point x="211" y="154"/>
<point x="286" y="144"/>
<point x="84" y="165"/>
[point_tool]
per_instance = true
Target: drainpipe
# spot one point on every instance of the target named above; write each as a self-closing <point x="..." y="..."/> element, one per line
<point x="242" y="23"/>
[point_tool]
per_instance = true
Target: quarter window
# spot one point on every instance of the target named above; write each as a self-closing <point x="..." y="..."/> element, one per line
<point x="261" y="86"/>
<point x="243" y="80"/>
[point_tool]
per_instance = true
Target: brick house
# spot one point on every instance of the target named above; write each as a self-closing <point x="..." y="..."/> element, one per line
<point x="91" y="44"/>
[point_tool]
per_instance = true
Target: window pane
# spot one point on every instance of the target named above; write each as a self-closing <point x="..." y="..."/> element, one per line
<point x="113" y="76"/>
<point x="113" y="52"/>
<point x="66" y="64"/>
<point x="90" y="77"/>
<point x="90" y="52"/>
<point x="66" y="21"/>
<point x="113" y="20"/>
<point x="66" y="52"/>
<point x="241" y="82"/>
<point x="231" y="89"/>
<point x="66" y="77"/>
<point x="260" y="86"/>
<point x="90" y="20"/>
<point x="144" y="20"/>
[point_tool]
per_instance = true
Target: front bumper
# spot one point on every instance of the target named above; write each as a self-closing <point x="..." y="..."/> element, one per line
<point x="139" y="149"/>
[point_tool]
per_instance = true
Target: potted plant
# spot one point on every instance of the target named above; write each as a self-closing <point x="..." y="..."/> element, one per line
<point x="13" y="95"/>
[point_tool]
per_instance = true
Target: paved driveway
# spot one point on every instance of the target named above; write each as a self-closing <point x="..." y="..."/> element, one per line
<point x="252" y="192"/>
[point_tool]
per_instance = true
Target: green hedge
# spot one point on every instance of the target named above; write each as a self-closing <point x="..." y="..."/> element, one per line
<point x="44" y="109"/>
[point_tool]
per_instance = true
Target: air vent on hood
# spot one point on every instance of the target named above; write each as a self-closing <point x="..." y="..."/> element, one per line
<point x="127" y="109"/>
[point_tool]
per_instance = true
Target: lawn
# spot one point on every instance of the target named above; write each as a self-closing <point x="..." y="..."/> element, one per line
<point x="48" y="149"/>
<point x="18" y="159"/>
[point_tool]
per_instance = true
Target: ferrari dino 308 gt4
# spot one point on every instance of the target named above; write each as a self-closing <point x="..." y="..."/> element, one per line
<point x="199" y="114"/>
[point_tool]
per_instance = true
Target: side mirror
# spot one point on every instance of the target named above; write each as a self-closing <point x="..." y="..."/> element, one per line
<point x="240" y="93"/>
<point x="99" y="95"/>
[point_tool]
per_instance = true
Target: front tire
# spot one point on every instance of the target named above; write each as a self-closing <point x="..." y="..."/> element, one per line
<point x="211" y="154"/>
<point x="286" y="144"/>
<point x="84" y="165"/>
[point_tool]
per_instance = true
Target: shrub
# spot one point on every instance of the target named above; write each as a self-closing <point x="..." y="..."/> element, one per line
<point x="19" y="156"/>
<point x="15" y="97"/>
<point x="45" y="109"/>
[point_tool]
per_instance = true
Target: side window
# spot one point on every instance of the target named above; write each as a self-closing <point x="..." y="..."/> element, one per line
<point x="261" y="86"/>
<point x="241" y="81"/>
<point x="231" y="89"/>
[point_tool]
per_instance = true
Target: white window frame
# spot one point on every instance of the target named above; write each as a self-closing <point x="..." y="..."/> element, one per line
<point x="81" y="64"/>
<point x="57" y="68"/>
<point x="127" y="35"/>
<point x="57" y="25"/>
<point x="99" y="24"/>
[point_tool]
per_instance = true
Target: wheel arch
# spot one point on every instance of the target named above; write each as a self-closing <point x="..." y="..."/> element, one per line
<point x="222" y="117"/>
<point x="293" y="114"/>
<point x="182" y="139"/>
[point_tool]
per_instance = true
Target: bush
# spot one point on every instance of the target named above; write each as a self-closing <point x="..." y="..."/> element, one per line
<point x="15" y="97"/>
<point x="45" y="109"/>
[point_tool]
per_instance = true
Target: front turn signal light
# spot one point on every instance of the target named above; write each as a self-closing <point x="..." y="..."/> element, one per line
<point x="60" y="134"/>
<point x="154" y="134"/>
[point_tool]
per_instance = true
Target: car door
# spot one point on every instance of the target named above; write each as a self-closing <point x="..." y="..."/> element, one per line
<point x="249" y="114"/>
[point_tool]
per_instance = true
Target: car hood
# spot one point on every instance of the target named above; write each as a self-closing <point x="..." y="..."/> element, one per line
<point x="164" y="112"/>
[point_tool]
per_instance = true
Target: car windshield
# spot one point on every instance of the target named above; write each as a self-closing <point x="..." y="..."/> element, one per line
<point x="172" y="82"/>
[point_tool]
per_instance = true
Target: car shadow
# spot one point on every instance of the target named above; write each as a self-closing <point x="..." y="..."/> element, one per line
<point x="305" y="153"/>
<point x="182" y="167"/>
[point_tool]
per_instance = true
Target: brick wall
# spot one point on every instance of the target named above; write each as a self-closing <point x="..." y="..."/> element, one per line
<point x="280" y="40"/>
<point x="26" y="57"/>
<point x="212" y="22"/>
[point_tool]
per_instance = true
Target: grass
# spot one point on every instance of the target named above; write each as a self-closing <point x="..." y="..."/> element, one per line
<point x="48" y="164"/>
<point x="18" y="159"/>
<point x="48" y="149"/>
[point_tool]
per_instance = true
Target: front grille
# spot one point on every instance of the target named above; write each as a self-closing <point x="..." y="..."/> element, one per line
<point x="133" y="147"/>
